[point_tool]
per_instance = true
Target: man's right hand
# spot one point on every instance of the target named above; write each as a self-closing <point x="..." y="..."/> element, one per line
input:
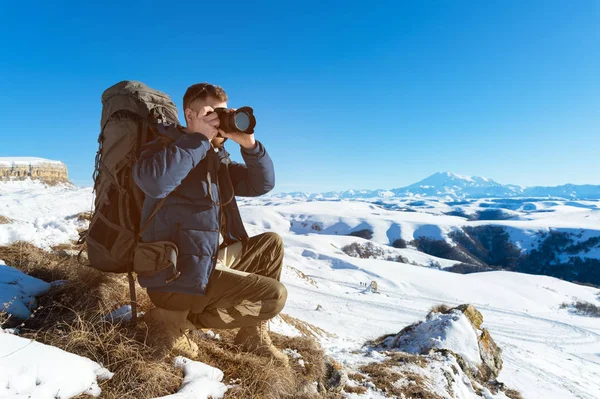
<point x="205" y="122"/>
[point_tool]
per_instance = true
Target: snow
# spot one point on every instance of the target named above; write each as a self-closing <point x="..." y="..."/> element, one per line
<point x="44" y="216"/>
<point x="18" y="291"/>
<point x="443" y="331"/>
<point x="200" y="381"/>
<point x="29" y="369"/>
<point x="279" y="326"/>
<point x="548" y="352"/>
<point x="13" y="161"/>
<point x="342" y="217"/>
<point x="121" y="314"/>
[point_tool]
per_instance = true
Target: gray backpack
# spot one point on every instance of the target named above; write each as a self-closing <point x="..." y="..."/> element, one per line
<point x="131" y="112"/>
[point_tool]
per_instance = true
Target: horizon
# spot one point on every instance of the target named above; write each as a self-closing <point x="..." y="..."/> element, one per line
<point x="448" y="173"/>
<point x="345" y="98"/>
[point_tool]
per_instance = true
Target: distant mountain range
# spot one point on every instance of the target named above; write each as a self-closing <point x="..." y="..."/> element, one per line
<point x="453" y="186"/>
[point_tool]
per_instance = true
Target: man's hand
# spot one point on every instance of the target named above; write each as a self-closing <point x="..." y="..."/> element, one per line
<point x="205" y="122"/>
<point x="247" y="141"/>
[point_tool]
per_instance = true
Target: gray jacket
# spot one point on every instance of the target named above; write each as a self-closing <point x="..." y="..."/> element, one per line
<point x="197" y="180"/>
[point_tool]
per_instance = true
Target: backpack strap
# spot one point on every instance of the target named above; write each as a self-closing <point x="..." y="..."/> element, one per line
<point x="132" y="296"/>
<point x="146" y="224"/>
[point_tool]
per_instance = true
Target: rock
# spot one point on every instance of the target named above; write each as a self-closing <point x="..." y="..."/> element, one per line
<point x="21" y="168"/>
<point x="67" y="253"/>
<point x="449" y="345"/>
<point x="336" y="377"/>
<point x="474" y="316"/>
<point x="309" y="389"/>
<point x="491" y="356"/>
<point x="373" y="286"/>
<point x="457" y="330"/>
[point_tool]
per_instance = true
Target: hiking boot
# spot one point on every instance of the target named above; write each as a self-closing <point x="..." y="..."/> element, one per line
<point x="256" y="339"/>
<point x="170" y="327"/>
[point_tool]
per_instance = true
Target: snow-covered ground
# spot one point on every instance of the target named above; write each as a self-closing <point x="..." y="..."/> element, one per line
<point x="29" y="369"/>
<point x="42" y="215"/>
<point x="547" y="351"/>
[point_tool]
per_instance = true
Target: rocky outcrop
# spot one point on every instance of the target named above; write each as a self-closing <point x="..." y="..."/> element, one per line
<point x="444" y="356"/>
<point x="21" y="168"/>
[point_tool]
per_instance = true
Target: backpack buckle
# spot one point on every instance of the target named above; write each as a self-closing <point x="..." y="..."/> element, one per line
<point x="175" y="276"/>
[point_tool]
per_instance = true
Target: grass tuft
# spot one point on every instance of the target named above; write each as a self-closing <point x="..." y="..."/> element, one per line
<point x="582" y="308"/>
<point x="72" y="317"/>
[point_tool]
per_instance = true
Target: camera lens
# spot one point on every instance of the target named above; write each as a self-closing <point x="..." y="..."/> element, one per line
<point x="242" y="121"/>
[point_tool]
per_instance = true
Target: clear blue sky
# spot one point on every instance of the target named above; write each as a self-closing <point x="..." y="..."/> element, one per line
<point x="347" y="94"/>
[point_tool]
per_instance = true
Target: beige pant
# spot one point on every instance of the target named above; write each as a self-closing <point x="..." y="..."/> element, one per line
<point x="243" y="290"/>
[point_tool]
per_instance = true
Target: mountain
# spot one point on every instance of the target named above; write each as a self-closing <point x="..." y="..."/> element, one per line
<point x="451" y="185"/>
<point x="44" y="170"/>
<point x="443" y="184"/>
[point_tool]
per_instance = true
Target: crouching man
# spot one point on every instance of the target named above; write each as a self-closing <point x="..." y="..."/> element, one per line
<point x="224" y="278"/>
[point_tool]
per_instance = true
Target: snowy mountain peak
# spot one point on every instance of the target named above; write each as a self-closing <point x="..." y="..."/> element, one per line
<point x="455" y="186"/>
<point x="442" y="179"/>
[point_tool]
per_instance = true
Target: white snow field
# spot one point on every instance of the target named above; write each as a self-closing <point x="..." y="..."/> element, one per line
<point x="18" y="291"/>
<point x="201" y="381"/>
<point x="29" y="369"/>
<point x="548" y="352"/>
<point x="42" y="215"/>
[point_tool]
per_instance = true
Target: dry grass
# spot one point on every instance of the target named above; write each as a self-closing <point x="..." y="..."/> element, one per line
<point x="303" y="276"/>
<point x="71" y="317"/>
<point x="512" y="394"/>
<point x="358" y="389"/>
<point x="5" y="220"/>
<point x="441" y="308"/>
<point x="385" y="379"/>
<point x="84" y="216"/>
<point x="583" y="308"/>
<point x="305" y="328"/>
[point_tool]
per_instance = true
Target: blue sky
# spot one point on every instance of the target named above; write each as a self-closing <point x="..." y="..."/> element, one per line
<point x="347" y="94"/>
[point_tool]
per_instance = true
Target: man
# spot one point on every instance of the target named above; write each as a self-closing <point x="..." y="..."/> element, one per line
<point x="227" y="279"/>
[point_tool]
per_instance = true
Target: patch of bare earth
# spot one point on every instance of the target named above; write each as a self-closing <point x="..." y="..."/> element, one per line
<point x="72" y="317"/>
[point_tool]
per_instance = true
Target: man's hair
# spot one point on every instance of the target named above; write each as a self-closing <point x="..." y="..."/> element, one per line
<point x="200" y="91"/>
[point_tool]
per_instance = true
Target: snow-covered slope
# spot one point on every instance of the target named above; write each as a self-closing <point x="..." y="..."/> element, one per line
<point x="548" y="352"/>
<point x="451" y="185"/>
<point x="40" y="214"/>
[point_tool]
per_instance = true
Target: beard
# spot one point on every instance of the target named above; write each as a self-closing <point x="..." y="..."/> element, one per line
<point x="218" y="142"/>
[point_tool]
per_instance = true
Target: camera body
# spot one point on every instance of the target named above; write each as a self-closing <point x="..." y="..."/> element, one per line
<point x="241" y="120"/>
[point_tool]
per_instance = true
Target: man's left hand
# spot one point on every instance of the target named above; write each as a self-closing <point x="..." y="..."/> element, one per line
<point x="247" y="141"/>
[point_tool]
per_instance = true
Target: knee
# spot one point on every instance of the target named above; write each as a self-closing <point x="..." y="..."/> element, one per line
<point x="279" y="301"/>
<point x="274" y="240"/>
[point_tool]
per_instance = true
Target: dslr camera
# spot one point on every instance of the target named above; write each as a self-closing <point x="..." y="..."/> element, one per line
<point x="241" y="120"/>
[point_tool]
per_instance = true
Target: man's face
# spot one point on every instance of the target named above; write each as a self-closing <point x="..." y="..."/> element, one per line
<point x="214" y="103"/>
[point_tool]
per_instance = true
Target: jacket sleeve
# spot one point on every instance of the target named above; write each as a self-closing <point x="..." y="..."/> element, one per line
<point x="256" y="177"/>
<point x="160" y="169"/>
